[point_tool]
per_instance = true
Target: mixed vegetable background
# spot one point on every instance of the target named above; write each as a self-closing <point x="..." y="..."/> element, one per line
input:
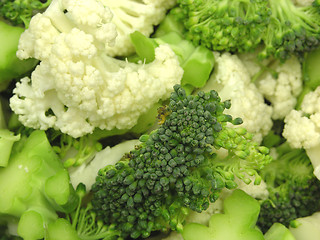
<point x="160" y="119"/>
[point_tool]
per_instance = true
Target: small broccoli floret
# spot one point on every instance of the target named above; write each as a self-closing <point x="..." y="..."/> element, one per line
<point x="20" y="12"/>
<point x="81" y="224"/>
<point x="175" y="168"/>
<point x="293" y="189"/>
<point x="292" y="29"/>
<point x="238" y="222"/>
<point x="226" y="25"/>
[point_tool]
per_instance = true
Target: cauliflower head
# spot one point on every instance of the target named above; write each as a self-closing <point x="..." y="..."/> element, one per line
<point x="231" y="80"/>
<point x="134" y="15"/>
<point x="77" y="87"/>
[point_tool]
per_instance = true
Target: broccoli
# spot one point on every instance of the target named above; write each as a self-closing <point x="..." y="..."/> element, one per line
<point x="10" y="66"/>
<point x="176" y="167"/>
<point x="227" y="25"/>
<point x="19" y="12"/>
<point x="292" y="29"/>
<point x="36" y="186"/>
<point x="81" y="224"/>
<point x="237" y="222"/>
<point x="196" y="62"/>
<point x="293" y="189"/>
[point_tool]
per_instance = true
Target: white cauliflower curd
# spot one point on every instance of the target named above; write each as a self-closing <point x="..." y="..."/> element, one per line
<point x="302" y="128"/>
<point x="231" y="80"/>
<point x="77" y="87"/>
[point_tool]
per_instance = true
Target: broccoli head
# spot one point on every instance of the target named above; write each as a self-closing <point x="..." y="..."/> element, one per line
<point x="19" y="12"/>
<point x="176" y="168"/>
<point x="292" y="29"/>
<point x="293" y="189"/>
<point x="227" y="25"/>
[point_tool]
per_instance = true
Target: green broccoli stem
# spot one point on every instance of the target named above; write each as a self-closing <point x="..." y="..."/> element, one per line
<point x="10" y="66"/>
<point x="197" y="62"/>
<point x="7" y="139"/>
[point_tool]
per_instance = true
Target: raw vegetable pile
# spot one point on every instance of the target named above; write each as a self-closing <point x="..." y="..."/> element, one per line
<point x="160" y="119"/>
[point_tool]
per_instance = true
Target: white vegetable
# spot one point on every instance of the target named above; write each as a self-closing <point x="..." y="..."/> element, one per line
<point x="308" y="228"/>
<point x="77" y="87"/>
<point x="231" y="80"/>
<point x="302" y="128"/>
<point x="134" y="15"/>
<point x="86" y="173"/>
<point x="282" y="92"/>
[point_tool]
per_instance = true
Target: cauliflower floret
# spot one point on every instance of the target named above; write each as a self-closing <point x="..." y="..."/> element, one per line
<point x="282" y="92"/>
<point x="302" y="128"/>
<point x="87" y="172"/>
<point x="133" y="15"/>
<point x="232" y="81"/>
<point x="77" y="87"/>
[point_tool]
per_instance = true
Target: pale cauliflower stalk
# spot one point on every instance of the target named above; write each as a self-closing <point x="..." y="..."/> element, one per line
<point x="302" y="128"/>
<point x="77" y="87"/>
<point x="231" y="80"/>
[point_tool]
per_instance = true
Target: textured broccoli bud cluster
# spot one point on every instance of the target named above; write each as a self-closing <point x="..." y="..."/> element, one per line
<point x="226" y="25"/>
<point x="20" y="12"/>
<point x="292" y="29"/>
<point x="175" y="168"/>
<point x="294" y="191"/>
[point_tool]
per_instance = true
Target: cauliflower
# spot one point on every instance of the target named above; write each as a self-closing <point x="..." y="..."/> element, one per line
<point x="302" y="128"/>
<point x="282" y="91"/>
<point x="133" y="15"/>
<point x="279" y="83"/>
<point x="77" y="87"/>
<point x="86" y="173"/>
<point x="231" y="80"/>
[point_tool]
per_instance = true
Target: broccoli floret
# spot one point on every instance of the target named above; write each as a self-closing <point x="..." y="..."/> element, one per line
<point x="227" y="25"/>
<point x="36" y="186"/>
<point x="175" y="168"/>
<point x="81" y="224"/>
<point x="293" y="189"/>
<point x="19" y="12"/>
<point x="238" y="222"/>
<point x="292" y="29"/>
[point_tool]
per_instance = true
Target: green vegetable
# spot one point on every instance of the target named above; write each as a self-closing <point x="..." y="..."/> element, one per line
<point x="292" y="29"/>
<point x="293" y="189"/>
<point x="10" y="66"/>
<point x="81" y="224"/>
<point x="238" y="222"/>
<point x="278" y="232"/>
<point x="197" y="62"/>
<point x="227" y="25"/>
<point x="7" y="139"/>
<point x="176" y="168"/>
<point x="19" y="12"/>
<point x="36" y="185"/>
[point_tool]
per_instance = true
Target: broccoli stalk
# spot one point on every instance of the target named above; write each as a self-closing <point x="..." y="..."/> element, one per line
<point x="175" y="168"/>
<point x="10" y="66"/>
<point x="197" y="62"/>
<point x="81" y="224"/>
<point x="293" y="189"/>
<point x="238" y="222"/>
<point x="36" y="184"/>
